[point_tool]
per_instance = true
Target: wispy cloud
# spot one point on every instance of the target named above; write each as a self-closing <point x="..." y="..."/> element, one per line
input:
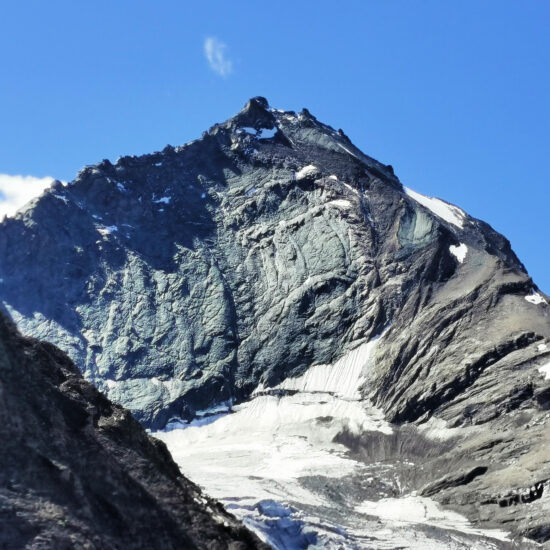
<point x="216" y="54"/>
<point x="16" y="191"/>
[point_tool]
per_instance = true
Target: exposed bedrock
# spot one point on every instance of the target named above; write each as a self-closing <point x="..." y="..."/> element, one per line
<point x="79" y="472"/>
<point x="188" y="277"/>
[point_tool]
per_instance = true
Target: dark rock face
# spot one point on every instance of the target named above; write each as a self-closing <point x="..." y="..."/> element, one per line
<point x="187" y="277"/>
<point x="79" y="472"/>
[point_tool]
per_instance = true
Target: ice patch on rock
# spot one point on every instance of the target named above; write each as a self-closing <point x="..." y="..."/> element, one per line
<point x="163" y="200"/>
<point x="107" y="229"/>
<point x="306" y="171"/>
<point x="459" y="252"/>
<point x="448" y="212"/>
<point x="341" y="203"/>
<point x="436" y="429"/>
<point x="535" y="298"/>
<point x="61" y="198"/>
<point x="342" y="378"/>
<point x="545" y="371"/>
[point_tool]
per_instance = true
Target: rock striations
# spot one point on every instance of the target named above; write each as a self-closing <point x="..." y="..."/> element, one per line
<point x="190" y="277"/>
<point x="79" y="472"/>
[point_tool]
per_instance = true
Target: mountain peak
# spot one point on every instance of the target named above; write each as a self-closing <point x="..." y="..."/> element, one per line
<point x="256" y="114"/>
<point x="208" y="273"/>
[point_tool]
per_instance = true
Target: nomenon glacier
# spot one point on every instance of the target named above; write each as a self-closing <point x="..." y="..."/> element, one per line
<point x="268" y="288"/>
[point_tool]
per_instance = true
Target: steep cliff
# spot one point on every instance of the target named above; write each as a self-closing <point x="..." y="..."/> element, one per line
<point x="79" y="472"/>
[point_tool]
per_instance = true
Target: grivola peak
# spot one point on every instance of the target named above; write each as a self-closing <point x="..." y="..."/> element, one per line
<point x="78" y="472"/>
<point x="206" y="274"/>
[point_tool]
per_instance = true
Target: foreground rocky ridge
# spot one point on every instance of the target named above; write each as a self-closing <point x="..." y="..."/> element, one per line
<point x="189" y="277"/>
<point x="79" y="472"/>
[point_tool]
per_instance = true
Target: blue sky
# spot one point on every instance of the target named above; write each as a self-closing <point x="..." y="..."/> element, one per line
<point x="455" y="95"/>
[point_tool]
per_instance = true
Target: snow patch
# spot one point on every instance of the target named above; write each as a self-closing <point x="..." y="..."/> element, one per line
<point x="448" y="212"/>
<point x="545" y="371"/>
<point x="459" y="252"/>
<point x="306" y="171"/>
<point x="535" y="298"/>
<point x="352" y="189"/>
<point x="342" y="378"/>
<point x="163" y="200"/>
<point x="107" y="229"/>
<point x="61" y="198"/>
<point x="121" y="187"/>
<point x="414" y="509"/>
<point x="342" y="203"/>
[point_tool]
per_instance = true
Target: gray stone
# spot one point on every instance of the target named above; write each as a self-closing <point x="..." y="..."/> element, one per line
<point x="185" y="278"/>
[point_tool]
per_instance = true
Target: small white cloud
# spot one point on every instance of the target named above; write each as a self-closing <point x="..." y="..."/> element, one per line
<point x="215" y="52"/>
<point x="16" y="191"/>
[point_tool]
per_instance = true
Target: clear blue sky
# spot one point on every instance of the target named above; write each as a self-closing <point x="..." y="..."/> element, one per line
<point x="455" y="95"/>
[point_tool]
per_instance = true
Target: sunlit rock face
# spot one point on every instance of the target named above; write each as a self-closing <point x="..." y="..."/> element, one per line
<point x="208" y="273"/>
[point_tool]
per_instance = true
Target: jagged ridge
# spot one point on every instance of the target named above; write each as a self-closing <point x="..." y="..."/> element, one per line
<point x="80" y="472"/>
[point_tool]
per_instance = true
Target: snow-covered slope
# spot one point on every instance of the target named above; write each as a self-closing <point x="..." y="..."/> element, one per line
<point x="274" y="462"/>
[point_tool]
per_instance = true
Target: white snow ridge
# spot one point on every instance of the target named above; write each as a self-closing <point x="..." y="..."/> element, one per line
<point x="448" y="212"/>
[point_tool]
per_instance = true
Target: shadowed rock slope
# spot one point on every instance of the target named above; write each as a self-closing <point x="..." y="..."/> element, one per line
<point x="79" y="472"/>
<point x="188" y="277"/>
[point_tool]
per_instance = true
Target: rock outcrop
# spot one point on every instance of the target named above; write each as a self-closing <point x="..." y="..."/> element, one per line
<point x="186" y="278"/>
<point x="79" y="472"/>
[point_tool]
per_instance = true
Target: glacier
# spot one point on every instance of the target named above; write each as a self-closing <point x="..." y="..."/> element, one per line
<point x="275" y="462"/>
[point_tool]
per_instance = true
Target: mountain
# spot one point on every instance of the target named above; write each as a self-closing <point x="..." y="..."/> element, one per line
<point x="207" y="275"/>
<point x="80" y="472"/>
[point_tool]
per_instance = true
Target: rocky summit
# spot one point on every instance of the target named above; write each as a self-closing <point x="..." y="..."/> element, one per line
<point x="271" y="261"/>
